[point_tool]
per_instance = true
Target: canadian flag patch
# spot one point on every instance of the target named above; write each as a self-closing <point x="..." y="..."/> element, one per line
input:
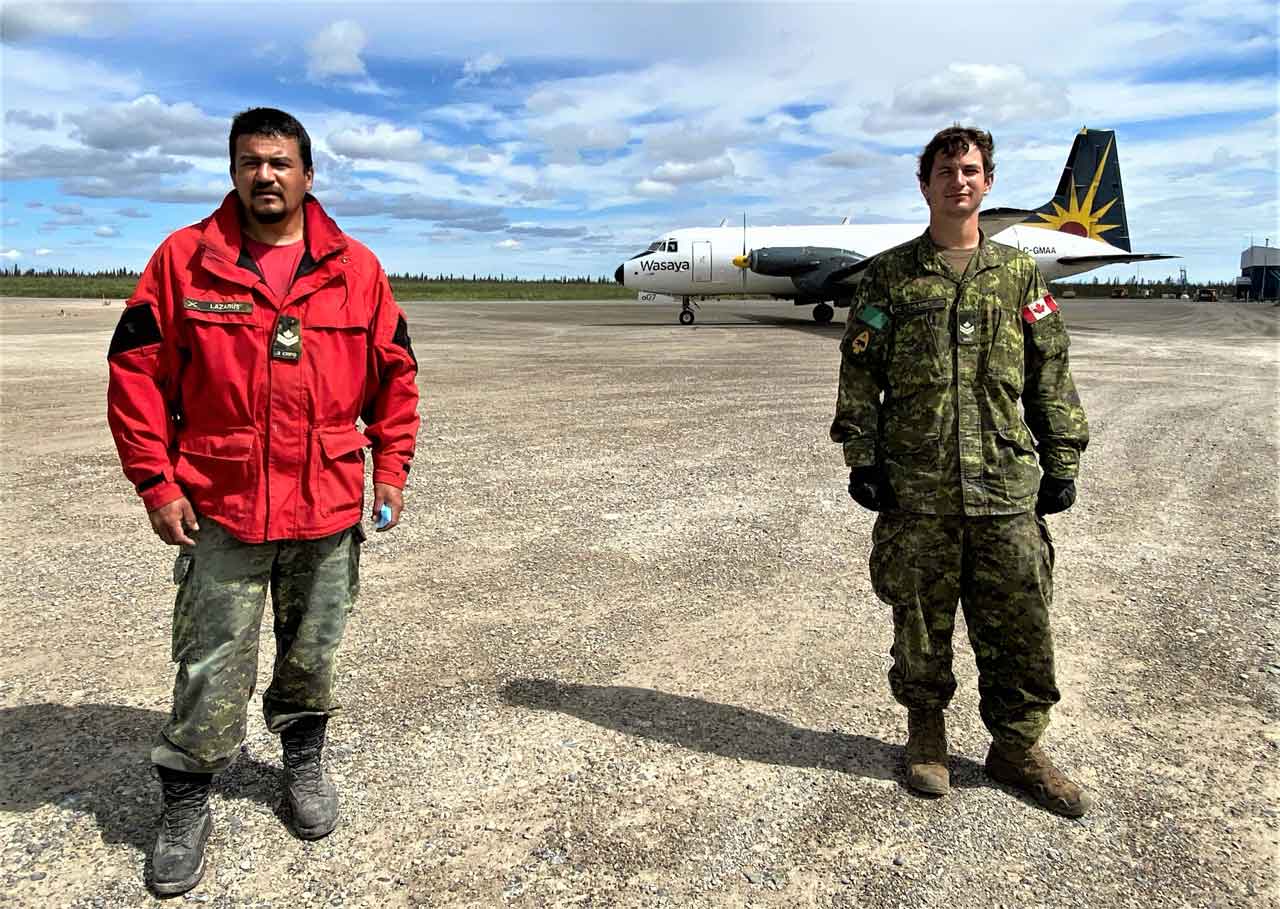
<point x="1034" y="312"/>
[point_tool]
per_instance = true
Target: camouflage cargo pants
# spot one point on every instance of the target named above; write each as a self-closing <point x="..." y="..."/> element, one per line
<point x="1000" y="570"/>
<point x="223" y="584"/>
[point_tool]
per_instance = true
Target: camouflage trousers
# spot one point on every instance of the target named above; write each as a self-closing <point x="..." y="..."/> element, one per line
<point x="1000" y="570"/>
<point x="223" y="584"/>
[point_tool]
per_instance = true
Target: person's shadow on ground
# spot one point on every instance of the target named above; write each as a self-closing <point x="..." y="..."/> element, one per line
<point x="723" y="729"/>
<point x="95" y="758"/>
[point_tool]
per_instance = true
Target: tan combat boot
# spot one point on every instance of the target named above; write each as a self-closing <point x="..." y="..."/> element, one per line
<point x="927" y="752"/>
<point x="1033" y="773"/>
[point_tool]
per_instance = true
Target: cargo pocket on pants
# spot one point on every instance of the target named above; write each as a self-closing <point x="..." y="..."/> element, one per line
<point x="886" y="561"/>
<point x="358" y="536"/>
<point x="1047" y="553"/>
<point x="185" y="636"/>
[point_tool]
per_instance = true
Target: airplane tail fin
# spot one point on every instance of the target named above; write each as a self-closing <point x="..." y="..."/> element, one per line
<point x="1090" y="200"/>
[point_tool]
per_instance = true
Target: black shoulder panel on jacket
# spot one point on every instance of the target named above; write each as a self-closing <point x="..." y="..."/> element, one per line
<point x="137" y="328"/>
<point x="401" y="337"/>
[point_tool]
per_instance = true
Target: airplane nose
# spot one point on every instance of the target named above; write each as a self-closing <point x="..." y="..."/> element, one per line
<point x="617" y="276"/>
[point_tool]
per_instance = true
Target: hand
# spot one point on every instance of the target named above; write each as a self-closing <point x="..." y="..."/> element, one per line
<point x="1056" y="495"/>
<point x="171" y="522"/>
<point x="393" y="497"/>
<point x="868" y="488"/>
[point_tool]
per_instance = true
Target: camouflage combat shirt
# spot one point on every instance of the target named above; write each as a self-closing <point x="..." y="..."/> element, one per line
<point x="933" y="367"/>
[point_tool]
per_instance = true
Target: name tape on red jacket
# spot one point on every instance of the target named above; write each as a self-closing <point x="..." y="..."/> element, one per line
<point x="1034" y="312"/>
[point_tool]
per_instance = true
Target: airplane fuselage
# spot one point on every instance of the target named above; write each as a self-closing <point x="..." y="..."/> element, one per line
<point x="701" y="263"/>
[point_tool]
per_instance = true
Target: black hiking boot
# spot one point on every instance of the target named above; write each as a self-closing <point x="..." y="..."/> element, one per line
<point x="177" y="864"/>
<point x="310" y="806"/>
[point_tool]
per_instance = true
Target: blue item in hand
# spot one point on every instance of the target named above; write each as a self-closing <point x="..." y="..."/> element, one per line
<point x="384" y="515"/>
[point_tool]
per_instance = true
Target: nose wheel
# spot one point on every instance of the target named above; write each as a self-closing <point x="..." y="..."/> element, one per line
<point x="822" y="313"/>
<point x="686" y="314"/>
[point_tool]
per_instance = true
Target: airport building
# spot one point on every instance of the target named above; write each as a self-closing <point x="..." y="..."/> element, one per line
<point x="1259" y="273"/>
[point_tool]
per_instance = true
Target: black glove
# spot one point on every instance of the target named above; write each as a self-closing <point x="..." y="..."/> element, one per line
<point x="1055" y="495"/>
<point x="868" y="487"/>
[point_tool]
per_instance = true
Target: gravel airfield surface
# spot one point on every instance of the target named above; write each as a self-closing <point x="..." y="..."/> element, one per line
<point x="624" y="651"/>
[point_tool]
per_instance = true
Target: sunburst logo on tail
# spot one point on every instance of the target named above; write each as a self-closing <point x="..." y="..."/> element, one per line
<point x="1079" y="218"/>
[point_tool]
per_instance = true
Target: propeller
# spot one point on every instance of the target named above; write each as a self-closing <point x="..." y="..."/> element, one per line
<point x="743" y="262"/>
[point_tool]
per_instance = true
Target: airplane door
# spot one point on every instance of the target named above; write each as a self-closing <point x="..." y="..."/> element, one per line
<point x="701" y="260"/>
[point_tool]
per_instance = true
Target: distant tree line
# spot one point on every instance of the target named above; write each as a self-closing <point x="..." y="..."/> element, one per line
<point x="405" y="277"/>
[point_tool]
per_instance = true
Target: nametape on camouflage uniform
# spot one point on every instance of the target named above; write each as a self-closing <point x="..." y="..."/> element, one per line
<point x="218" y="305"/>
<point x="873" y="317"/>
<point x="914" y="307"/>
<point x="1034" y="312"/>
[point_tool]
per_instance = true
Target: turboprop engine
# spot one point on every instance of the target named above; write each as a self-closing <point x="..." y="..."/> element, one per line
<point x="809" y="267"/>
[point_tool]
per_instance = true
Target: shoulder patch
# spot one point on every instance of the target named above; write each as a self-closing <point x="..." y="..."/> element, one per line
<point x="137" y="328"/>
<point x="1039" y="309"/>
<point x="873" y="316"/>
<point x="858" y="343"/>
<point x="401" y="338"/>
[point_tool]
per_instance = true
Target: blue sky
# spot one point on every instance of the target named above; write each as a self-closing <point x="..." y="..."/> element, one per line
<point x="550" y="138"/>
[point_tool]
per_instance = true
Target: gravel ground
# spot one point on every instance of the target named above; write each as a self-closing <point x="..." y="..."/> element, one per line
<point x="624" y="650"/>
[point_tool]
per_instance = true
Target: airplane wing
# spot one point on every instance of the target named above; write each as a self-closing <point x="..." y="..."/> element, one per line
<point x="994" y="220"/>
<point x="1116" y="259"/>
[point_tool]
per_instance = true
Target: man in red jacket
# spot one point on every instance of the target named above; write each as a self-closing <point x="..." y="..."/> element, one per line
<point x="254" y="342"/>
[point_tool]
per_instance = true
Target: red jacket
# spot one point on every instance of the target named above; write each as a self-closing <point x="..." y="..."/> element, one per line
<point x="266" y="446"/>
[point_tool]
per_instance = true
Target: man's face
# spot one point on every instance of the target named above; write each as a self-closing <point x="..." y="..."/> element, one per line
<point x="957" y="184"/>
<point x="269" y="177"/>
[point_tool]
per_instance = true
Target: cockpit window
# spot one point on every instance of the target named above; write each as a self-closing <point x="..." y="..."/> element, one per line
<point x="655" y="246"/>
<point x="671" y="246"/>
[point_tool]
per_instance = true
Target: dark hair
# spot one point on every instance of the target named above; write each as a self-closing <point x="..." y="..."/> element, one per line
<point x="957" y="140"/>
<point x="267" y="121"/>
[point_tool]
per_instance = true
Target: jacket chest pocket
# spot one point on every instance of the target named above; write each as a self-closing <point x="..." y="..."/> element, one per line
<point x="335" y="354"/>
<point x="919" y="343"/>
<point x="215" y="322"/>
<point x="1005" y="355"/>
<point x="222" y="345"/>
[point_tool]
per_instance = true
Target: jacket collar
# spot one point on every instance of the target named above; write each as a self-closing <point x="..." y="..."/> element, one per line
<point x="930" y="258"/>
<point x="223" y="236"/>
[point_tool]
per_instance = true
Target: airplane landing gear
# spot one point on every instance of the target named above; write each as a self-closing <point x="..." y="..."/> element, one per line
<point x="822" y="313"/>
<point x="686" y="314"/>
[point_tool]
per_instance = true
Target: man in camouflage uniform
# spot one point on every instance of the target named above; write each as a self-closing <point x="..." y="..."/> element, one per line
<point x="949" y="332"/>
<point x="253" y="343"/>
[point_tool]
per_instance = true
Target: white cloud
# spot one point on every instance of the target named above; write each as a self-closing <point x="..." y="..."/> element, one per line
<point x="11" y="254"/>
<point x="696" y="172"/>
<point x="44" y="251"/>
<point x="507" y="244"/>
<point x="106" y="231"/>
<point x="147" y="122"/>
<point x="39" y="79"/>
<point x="335" y="51"/>
<point x="19" y="21"/>
<point x="30" y="119"/>
<point x="988" y="93"/>
<point x="851" y="158"/>
<point x="568" y="140"/>
<point x="647" y="187"/>
<point x="474" y="69"/>
<point x="385" y="142"/>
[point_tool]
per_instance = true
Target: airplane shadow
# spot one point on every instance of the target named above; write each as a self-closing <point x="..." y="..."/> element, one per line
<point x="723" y="729"/>
<point x="95" y="758"/>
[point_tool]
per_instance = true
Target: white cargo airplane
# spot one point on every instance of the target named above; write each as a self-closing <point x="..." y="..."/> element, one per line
<point x="1082" y="228"/>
